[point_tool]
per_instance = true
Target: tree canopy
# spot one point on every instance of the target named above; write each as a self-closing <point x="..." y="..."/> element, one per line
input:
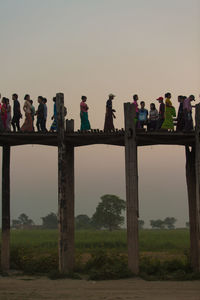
<point x="22" y="221"/>
<point x="82" y="222"/>
<point x="50" y="221"/>
<point x="141" y="224"/>
<point x="168" y="223"/>
<point x="108" y="213"/>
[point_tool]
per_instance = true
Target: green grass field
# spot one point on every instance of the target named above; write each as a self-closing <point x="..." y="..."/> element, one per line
<point x="87" y="240"/>
<point x="36" y="251"/>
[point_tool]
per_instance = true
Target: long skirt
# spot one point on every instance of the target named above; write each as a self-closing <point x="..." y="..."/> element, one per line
<point x="1" y="124"/>
<point x="108" y="125"/>
<point x="4" y="121"/>
<point x="152" y="125"/>
<point x="180" y="122"/>
<point x="85" y="124"/>
<point x="169" y="114"/>
<point x="8" y="122"/>
<point x="188" y="126"/>
<point x="54" y="125"/>
<point x="28" y="124"/>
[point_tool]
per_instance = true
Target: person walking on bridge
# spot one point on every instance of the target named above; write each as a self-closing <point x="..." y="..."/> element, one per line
<point x="161" y="113"/>
<point x="187" y="110"/>
<point x="4" y="112"/>
<point x="54" y="126"/>
<point x="108" y="125"/>
<point x="8" y="120"/>
<point x="85" y="124"/>
<point x="40" y="115"/>
<point x="180" y="118"/>
<point x="45" y="114"/>
<point x="16" y="113"/>
<point x="32" y="113"/>
<point x="135" y="103"/>
<point x="28" y="124"/>
<point x="142" y="116"/>
<point x="170" y="112"/>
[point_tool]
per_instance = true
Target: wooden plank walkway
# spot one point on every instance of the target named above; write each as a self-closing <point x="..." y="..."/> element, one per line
<point x="76" y="139"/>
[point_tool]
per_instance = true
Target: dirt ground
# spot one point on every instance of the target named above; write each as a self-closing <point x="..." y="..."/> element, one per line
<point x="21" y="288"/>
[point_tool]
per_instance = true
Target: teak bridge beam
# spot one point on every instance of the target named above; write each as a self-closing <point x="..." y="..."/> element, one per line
<point x="66" y="139"/>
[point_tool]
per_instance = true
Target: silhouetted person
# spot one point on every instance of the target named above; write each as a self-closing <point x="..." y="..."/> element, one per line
<point x="4" y="112"/>
<point x="135" y="100"/>
<point x="108" y="125"/>
<point x="40" y="114"/>
<point x="45" y="114"/>
<point x="161" y="117"/>
<point x="180" y="118"/>
<point x="16" y="113"/>
<point x="8" y="121"/>
<point x="32" y="113"/>
<point x="187" y="110"/>
<point x="54" y="125"/>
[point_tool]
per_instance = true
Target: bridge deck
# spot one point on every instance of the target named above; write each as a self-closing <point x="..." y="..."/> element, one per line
<point x="143" y="138"/>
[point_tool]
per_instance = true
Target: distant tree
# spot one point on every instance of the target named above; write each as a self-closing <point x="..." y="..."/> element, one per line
<point x="108" y="213"/>
<point x="82" y="222"/>
<point x="187" y="224"/>
<point x="141" y="224"/>
<point x="169" y="222"/>
<point x="22" y="221"/>
<point x="16" y="224"/>
<point x="50" y="221"/>
<point x="157" y="224"/>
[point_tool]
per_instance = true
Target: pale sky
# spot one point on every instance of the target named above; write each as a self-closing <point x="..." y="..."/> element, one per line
<point x="93" y="48"/>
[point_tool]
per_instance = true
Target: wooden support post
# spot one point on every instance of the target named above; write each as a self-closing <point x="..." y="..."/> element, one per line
<point x="196" y="215"/>
<point x="131" y="187"/>
<point x="5" y="243"/>
<point x="69" y="125"/>
<point x="191" y="188"/>
<point x="65" y="192"/>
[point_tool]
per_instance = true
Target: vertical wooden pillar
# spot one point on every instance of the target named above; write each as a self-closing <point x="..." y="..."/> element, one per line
<point x="5" y="243"/>
<point x="131" y="187"/>
<point x="70" y="199"/>
<point x="197" y="171"/>
<point x="191" y="188"/>
<point x="65" y="192"/>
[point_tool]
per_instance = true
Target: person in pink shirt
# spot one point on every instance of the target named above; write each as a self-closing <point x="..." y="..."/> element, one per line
<point x="187" y="110"/>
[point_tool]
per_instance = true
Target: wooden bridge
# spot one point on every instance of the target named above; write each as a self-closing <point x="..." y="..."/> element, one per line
<point x="66" y="139"/>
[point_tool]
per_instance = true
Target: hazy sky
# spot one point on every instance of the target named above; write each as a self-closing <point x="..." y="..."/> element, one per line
<point x="93" y="48"/>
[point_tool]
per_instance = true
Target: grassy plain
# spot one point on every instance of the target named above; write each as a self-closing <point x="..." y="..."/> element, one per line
<point x="103" y="254"/>
<point x="173" y="241"/>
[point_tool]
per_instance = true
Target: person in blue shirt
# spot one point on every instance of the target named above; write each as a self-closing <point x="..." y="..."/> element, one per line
<point x="143" y="115"/>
